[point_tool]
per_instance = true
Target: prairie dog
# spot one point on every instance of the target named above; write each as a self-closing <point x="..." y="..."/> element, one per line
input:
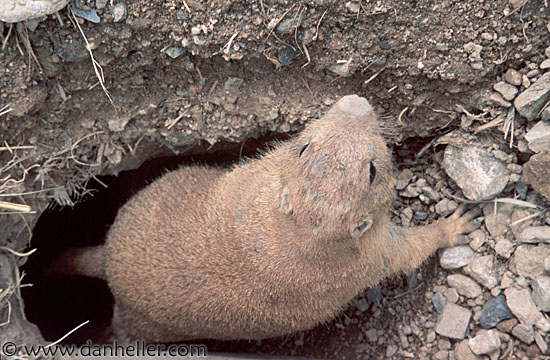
<point x="272" y="246"/>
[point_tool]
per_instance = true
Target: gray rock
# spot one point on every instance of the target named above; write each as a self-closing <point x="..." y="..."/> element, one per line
<point x="445" y="207"/>
<point x="476" y="171"/>
<point x="453" y="322"/>
<point x="497" y="99"/>
<point x="523" y="307"/>
<point x="119" y="11"/>
<point x="391" y="350"/>
<point x="289" y="23"/>
<point x="545" y="64"/>
<point x="478" y="239"/>
<point x="439" y="301"/>
<point x="372" y="336"/>
<point x="462" y="351"/>
<point x="543" y="345"/>
<point x="513" y="77"/>
<point x="528" y="260"/>
<point x="494" y="311"/>
<point x="504" y="248"/>
<point x="530" y="101"/>
<point x="545" y="114"/>
<point x="233" y="84"/>
<point x="537" y="172"/>
<point x="456" y="257"/>
<point x="341" y="69"/>
<point x="507" y="91"/>
<point x="485" y="342"/>
<point x="524" y="333"/>
<point x="538" y="138"/>
<point x="541" y="292"/>
<point x="403" y="179"/>
<point x="535" y="234"/>
<point x="483" y="270"/>
<point x="12" y="11"/>
<point x="464" y="285"/>
<point x="362" y="305"/>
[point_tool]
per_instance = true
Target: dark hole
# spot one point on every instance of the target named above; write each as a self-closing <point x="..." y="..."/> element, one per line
<point x="372" y="173"/>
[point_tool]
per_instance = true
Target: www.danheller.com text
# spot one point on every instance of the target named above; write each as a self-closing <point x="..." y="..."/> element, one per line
<point x="9" y="350"/>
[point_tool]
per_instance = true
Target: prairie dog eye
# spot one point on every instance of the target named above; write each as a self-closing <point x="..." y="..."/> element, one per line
<point x="363" y="225"/>
<point x="372" y="173"/>
<point x="303" y="149"/>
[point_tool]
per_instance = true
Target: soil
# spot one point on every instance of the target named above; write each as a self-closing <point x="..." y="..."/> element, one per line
<point x="213" y="81"/>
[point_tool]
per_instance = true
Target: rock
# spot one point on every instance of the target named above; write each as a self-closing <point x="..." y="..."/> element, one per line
<point x="444" y="344"/>
<point x="545" y="115"/>
<point x="439" y="301"/>
<point x="483" y="270"/>
<point x="342" y="69"/>
<point x="371" y="335"/>
<point x="541" y="292"/>
<point x="12" y="11"/>
<point x="233" y="84"/>
<point x="535" y="234"/>
<point x="453" y="322"/>
<point x="445" y="207"/>
<point x="504" y="248"/>
<point x="462" y="351"/>
<point x="513" y="77"/>
<point x="353" y="7"/>
<point x="464" y="285"/>
<point x="537" y="172"/>
<point x="497" y="223"/>
<point x="476" y="171"/>
<point x="507" y="325"/>
<point x="524" y="333"/>
<point x="456" y="257"/>
<point x="478" y="239"/>
<point x="523" y="307"/>
<point x="531" y="100"/>
<point x="545" y="64"/>
<point x="546" y="265"/>
<point x="528" y="260"/>
<point x="451" y="295"/>
<point x="118" y="123"/>
<point x="543" y="345"/>
<point x="362" y="305"/>
<point x="538" y="137"/>
<point x="119" y="11"/>
<point x="494" y="311"/>
<point x="289" y="23"/>
<point x="485" y="342"/>
<point x="507" y="91"/>
<point x="391" y="350"/>
<point x="497" y="99"/>
<point x="403" y="179"/>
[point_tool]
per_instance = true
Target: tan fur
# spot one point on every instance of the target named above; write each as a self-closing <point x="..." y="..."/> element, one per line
<point x="275" y="245"/>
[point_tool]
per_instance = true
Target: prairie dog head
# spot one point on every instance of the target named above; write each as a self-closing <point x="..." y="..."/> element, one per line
<point x="338" y="178"/>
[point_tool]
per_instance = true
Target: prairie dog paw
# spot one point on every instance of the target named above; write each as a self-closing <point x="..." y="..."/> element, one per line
<point x="461" y="223"/>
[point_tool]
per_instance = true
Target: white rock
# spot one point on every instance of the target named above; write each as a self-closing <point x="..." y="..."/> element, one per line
<point x="485" y="342"/>
<point x="478" y="239"/>
<point x="523" y="307"/>
<point x="538" y="137"/>
<point x="543" y="345"/>
<point x="453" y="321"/>
<point x="528" y="260"/>
<point x="507" y="91"/>
<point x="541" y="292"/>
<point x="12" y="11"/>
<point x="476" y="171"/>
<point x="504" y="248"/>
<point x="483" y="270"/>
<point x="535" y="234"/>
<point x="456" y="257"/>
<point x="530" y="101"/>
<point x="464" y="285"/>
<point x="524" y="333"/>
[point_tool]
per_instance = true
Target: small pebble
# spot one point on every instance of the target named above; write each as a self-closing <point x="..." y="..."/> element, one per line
<point x="545" y="64"/>
<point x="513" y="77"/>
<point x="494" y="311"/>
<point x="524" y="333"/>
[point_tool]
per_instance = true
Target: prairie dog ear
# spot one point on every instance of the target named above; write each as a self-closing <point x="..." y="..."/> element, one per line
<point x="361" y="226"/>
<point x="285" y="206"/>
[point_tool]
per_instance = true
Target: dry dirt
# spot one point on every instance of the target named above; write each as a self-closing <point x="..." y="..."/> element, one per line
<point x="247" y="72"/>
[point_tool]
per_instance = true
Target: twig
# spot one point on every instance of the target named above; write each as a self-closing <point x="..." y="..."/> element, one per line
<point x="15" y="207"/>
<point x="22" y="147"/>
<point x="67" y="334"/>
<point x="80" y="140"/>
<point x="318" y="24"/>
<point x="400" y="116"/>
<point x="9" y="315"/>
<point x="17" y="253"/>
<point x="97" y="67"/>
<point x="186" y="7"/>
<point x="7" y="37"/>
